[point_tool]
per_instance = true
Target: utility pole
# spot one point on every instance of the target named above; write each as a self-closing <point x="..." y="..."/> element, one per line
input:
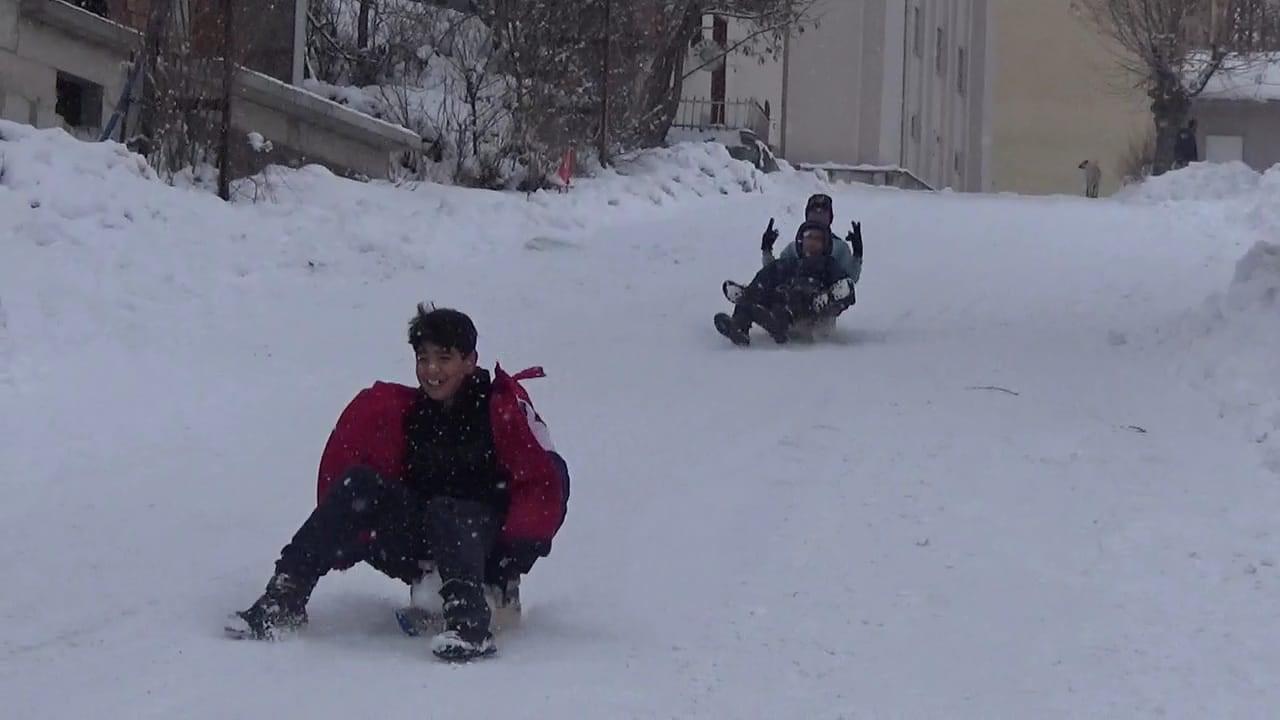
<point x="228" y="76"/>
<point x="604" y="86"/>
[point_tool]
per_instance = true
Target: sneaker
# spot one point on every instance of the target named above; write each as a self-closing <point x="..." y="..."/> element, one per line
<point x="461" y="645"/>
<point x="728" y="328"/>
<point x="280" y="612"/>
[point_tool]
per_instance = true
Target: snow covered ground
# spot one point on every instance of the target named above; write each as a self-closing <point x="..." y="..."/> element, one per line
<point x="1023" y="481"/>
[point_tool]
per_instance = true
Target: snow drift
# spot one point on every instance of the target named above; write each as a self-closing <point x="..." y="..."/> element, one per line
<point x="1197" y="182"/>
<point x="1235" y="343"/>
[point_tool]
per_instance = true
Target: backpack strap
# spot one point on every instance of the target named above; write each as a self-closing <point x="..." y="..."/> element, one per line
<point x="526" y="374"/>
<point x="529" y="374"/>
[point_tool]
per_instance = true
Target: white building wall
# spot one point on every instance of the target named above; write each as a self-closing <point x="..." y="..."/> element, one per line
<point x="825" y="84"/>
<point x="978" y="176"/>
<point x="893" y="91"/>
<point x="746" y="77"/>
<point x="870" y="85"/>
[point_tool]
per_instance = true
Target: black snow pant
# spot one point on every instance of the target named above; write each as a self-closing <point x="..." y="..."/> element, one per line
<point x="405" y="528"/>
<point x="786" y="306"/>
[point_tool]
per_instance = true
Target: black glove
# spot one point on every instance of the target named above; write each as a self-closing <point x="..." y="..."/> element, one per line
<point x="854" y="239"/>
<point x="769" y="238"/>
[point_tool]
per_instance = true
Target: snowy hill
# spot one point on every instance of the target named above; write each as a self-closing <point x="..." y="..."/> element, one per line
<point x="1025" y="480"/>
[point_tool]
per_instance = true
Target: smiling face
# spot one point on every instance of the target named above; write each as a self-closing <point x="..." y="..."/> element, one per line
<point x="442" y="371"/>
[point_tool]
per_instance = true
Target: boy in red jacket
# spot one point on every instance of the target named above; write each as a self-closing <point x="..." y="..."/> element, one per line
<point x="412" y="475"/>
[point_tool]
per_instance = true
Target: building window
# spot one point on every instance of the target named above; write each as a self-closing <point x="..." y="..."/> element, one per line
<point x="959" y="161"/>
<point x="915" y="127"/>
<point x="97" y="7"/>
<point x="962" y="71"/>
<point x="919" y="31"/>
<point x="79" y="102"/>
<point x="939" y="59"/>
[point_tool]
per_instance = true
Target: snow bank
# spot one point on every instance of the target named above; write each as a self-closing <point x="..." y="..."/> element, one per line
<point x="52" y="169"/>
<point x="1200" y="181"/>
<point x="1230" y="345"/>
<point x="635" y="186"/>
<point x="1264" y="215"/>
<point x="667" y="176"/>
<point x="1234" y="343"/>
<point x="100" y="228"/>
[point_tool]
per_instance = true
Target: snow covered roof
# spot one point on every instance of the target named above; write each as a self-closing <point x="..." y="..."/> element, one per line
<point x="1256" y="79"/>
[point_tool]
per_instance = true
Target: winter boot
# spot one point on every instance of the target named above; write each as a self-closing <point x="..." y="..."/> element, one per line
<point x="466" y="617"/>
<point x="280" y="611"/>
<point x="462" y="645"/>
<point x="774" y="322"/>
<point x="824" y="328"/>
<point x="736" y="333"/>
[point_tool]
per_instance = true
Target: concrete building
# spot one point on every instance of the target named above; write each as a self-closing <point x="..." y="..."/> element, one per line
<point x="881" y="90"/>
<point x="1059" y="99"/>
<point x="66" y="66"/>
<point x="1239" y="114"/>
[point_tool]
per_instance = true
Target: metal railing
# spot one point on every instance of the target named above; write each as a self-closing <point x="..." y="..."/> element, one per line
<point x="705" y="114"/>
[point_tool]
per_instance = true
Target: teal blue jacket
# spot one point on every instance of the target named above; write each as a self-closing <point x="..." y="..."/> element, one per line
<point x="839" y="250"/>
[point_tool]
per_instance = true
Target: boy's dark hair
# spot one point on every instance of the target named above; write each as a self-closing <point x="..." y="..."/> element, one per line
<point x="443" y="327"/>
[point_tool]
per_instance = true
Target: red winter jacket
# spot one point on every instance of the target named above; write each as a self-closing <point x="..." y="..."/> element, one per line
<point x="370" y="432"/>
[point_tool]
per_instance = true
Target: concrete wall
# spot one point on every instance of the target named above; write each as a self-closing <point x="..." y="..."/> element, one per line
<point x="1059" y="98"/>
<point x="305" y="128"/>
<point x="1258" y="123"/>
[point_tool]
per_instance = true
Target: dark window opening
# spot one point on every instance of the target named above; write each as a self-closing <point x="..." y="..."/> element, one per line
<point x="720" y="36"/>
<point x="940" y="57"/>
<point x="918" y="20"/>
<point x="97" y="7"/>
<point x="79" y="102"/>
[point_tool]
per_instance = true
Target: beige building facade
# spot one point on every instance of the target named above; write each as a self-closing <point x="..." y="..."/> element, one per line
<point x="1059" y="99"/>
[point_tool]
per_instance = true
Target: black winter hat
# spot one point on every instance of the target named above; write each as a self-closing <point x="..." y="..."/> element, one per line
<point x="819" y="200"/>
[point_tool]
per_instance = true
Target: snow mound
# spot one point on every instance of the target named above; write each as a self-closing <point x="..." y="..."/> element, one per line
<point x="670" y="176"/>
<point x="1236" y="346"/>
<point x="1200" y="181"/>
<point x="1265" y="214"/>
<point x="637" y="185"/>
<point x="53" y="170"/>
<point x="111" y="242"/>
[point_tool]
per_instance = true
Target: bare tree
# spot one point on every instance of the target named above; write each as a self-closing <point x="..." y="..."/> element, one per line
<point x="192" y="53"/>
<point x="1173" y="48"/>
<point x="521" y="81"/>
<point x="661" y="33"/>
